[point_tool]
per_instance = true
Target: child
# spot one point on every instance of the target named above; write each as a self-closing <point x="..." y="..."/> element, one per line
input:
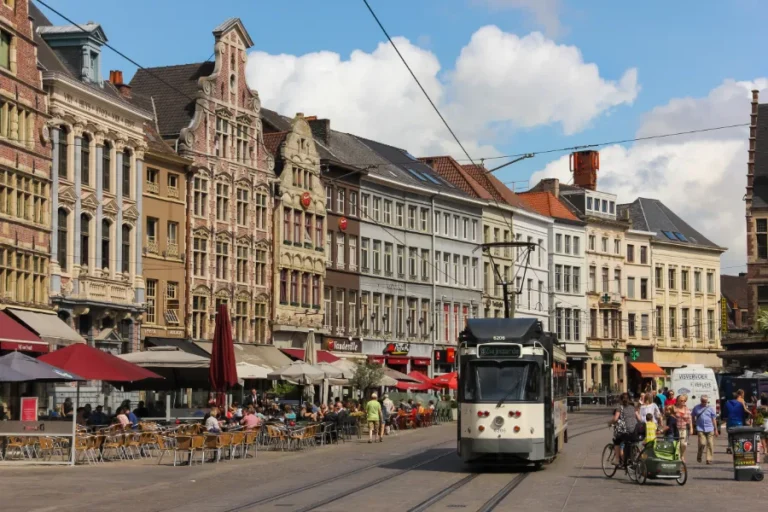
<point x="650" y="428"/>
<point x="671" y="430"/>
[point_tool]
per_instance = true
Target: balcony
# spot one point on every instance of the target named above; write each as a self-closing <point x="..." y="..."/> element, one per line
<point x="152" y="187"/>
<point x="606" y="344"/>
<point x="103" y="290"/>
<point x="173" y="192"/>
<point x="152" y="247"/>
<point x="173" y="250"/>
<point x="610" y="300"/>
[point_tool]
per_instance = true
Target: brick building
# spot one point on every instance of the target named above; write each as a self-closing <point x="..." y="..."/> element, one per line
<point x="208" y="113"/>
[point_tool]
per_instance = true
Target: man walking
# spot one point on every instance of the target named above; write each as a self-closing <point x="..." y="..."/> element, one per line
<point x="705" y="421"/>
<point x="373" y="412"/>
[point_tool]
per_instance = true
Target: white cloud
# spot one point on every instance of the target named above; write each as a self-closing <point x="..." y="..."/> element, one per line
<point x="700" y="177"/>
<point x="545" y="12"/>
<point x="500" y="81"/>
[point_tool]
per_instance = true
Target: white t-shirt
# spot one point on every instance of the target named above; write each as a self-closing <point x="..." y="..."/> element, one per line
<point x="652" y="409"/>
<point x="212" y="424"/>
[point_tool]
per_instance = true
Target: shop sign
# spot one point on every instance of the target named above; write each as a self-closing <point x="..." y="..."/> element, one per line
<point x="641" y="354"/>
<point x="397" y="360"/>
<point x="397" y="349"/>
<point x="29" y="408"/>
<point x="342" y="345"/>
<point x="607" y="358"/>
<point x="306" y="199"/>
<point x="24" y="347"/>
<point x="724" y="314"/>
<point x="343" y="223"/>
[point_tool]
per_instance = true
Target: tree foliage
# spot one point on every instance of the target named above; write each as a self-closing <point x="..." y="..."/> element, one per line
<point x="367" y="375"/>
<point x="762" y="322"/>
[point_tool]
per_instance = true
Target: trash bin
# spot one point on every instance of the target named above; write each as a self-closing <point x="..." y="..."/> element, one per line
<point x="744" y="442"/>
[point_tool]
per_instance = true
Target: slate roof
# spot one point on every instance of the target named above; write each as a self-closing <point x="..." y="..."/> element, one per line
<point x="545" y="203"/>
<point x="174" y="99"/>
<point x="155" y="142"/>
<point x="734" y="288"/>
<point x="653" y="215"/>
<point x="274" y="121"/>
<point x="760" y="182"/>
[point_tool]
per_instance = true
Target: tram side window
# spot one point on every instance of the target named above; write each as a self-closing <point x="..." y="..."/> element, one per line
<point x="533" y="383"/>
<point x="560" y="378"/>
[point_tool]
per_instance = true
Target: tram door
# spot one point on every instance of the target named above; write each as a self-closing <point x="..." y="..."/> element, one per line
<point x="549" y="413"/>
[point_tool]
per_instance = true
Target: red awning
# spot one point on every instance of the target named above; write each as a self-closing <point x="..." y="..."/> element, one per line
<point x="420" y="361"/>
<point x="649" y="369"/>
<point x="298" y="354"/>
<point x="376" y="359"/>
<point x="94" y="364"/>
<point x="397" y="360"/>
<point x="15" y="336"/>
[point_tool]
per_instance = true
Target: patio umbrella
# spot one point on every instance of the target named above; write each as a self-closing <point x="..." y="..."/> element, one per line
<point x="413" y="386"/>
<point x="298" y="372"/>
<point x="177" y="369"/>
<point x="346" y="366"/>
<point x="94" y="364"/>
<point x="331" y="371"/>
<point x="447" y="380"/>
<point x="387" y="381"/>
<point x="18" y="367"/>
<point x="223" y="370"/>
<point x="422" y="378"/>
<point x="251" y="371"/>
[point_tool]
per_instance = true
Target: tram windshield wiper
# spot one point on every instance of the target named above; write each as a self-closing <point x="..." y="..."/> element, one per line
<point x="507" y="395"/>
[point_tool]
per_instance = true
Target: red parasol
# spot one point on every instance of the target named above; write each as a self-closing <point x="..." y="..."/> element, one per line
<point x="94" y="364"/>
<point x="413" y="386"/>
<point x="447" y="380"/>
<point x="423" y="379"/>
<point x="223" y="369"/>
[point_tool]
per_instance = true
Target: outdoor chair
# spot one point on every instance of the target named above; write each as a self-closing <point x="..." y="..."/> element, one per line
<point x="114" y="443"/>
<point x="216" y="444"/>
<point x="163" y="445"/>
<point x="276" y="437"/>
<point x="16" y="444"/>
<point x="187" y="444"/>
<point x="93" y="447"/>
<point x="46" y="448"/>
<point x="132" y="444"/>
<point x="236" y="444"/>
<point x="251" y="441"/>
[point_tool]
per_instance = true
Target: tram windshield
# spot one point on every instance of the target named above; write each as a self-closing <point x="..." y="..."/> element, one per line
<point x="492" y="381"/>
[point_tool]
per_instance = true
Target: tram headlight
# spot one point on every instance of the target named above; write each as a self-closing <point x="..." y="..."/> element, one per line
<point x="498" y="422"/>
<point x="479" y="414"/>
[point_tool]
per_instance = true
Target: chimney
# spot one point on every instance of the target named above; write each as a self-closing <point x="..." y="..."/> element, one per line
<point x="742" y="274"/>
<point x="116" y="79"/>
<point x="321" y="129"/>
<point x="584" y="166"/>
<point x="550" y="185"/>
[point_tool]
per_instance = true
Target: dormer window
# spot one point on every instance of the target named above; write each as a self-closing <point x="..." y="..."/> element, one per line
<point x="93" y="68"/>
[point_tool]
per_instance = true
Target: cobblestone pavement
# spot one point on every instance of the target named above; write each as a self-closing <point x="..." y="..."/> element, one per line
<point x="414" y="471"/>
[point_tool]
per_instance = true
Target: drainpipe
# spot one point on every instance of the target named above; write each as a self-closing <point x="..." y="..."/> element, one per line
<point x="434" y="291"/>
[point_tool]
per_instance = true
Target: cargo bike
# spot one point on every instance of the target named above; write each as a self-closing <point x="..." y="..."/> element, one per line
<point x="657" y="460"/>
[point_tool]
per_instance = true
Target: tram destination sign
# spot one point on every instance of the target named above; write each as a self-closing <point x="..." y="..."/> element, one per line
<point x="499" y="351"/>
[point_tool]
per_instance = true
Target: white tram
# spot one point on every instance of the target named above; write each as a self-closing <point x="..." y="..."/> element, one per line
<point x="512" y="392"/>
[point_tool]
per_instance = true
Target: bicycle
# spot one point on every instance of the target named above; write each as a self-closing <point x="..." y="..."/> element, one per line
<point x="630" y="468"/>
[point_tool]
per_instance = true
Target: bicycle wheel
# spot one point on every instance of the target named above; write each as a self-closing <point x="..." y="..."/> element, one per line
<point x="683" y="475"/>
<point x="632" y="462"/>
<point x="642" y="472"/>
<point x="609" y="469"/>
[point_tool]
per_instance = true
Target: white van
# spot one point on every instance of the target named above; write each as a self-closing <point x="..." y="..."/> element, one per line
<point x="695" y="380"/>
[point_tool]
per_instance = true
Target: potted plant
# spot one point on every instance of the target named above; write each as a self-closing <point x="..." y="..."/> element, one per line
<point x="454" y="410"/>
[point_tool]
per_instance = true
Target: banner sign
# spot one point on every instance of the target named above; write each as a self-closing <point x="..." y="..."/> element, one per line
<point x="29" y="408"/>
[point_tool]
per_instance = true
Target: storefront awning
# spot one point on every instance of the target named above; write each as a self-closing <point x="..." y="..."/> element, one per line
<point x="298" y="354"/>
<point x="649" y="369"/>
<point x="15" y="336"/>
<point x="48" y="326"/>
<point x="267" y="356"/>
<point x="181" y="344"/>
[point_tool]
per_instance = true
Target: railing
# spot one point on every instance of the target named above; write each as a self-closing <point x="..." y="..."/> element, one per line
<point x="173" y="250"/>
<point x="173" y="192"/>
<point x="606" y="344"/>
<point x="152" y="245"/>
<point x="153" y="187"/>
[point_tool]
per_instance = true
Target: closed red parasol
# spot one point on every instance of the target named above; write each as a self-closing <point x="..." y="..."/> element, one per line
<point x="223" y="369"/>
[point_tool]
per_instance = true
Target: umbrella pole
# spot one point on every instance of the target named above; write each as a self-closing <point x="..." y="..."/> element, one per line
<point x="72" y="450"/>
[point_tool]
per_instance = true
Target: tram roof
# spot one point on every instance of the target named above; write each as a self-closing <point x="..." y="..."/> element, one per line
<point x="513" y="330"/>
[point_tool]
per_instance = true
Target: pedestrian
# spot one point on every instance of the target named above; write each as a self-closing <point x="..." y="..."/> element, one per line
<point x="671" y="400"/>
<point x="649" y="407"/>
<point x="650" y="428"/>
<point x="683" y="415"/>
<point x="660" y="398"/>
<point x="251" y="399"/>
<point x="671" y="431"/>
<point x="389" y="407"/>
<point x="736" y="410"/>
<point x="705" y="423"/>
<point x="374" y="417"/>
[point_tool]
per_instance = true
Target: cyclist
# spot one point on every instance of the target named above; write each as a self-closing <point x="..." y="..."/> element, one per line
<point x="624" y="422"/>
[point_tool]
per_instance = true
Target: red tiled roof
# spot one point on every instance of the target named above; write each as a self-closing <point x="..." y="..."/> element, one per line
<point x="273" y="140"/>
<point x="450" y="169"/>
<point x="545" y="203"/>
<point x="499" y="190"/>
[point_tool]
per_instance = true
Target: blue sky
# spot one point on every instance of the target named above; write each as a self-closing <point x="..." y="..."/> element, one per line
<point x="683" y="49"/>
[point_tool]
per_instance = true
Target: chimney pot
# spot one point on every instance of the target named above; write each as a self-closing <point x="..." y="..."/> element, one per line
<point x="584" y="166"/>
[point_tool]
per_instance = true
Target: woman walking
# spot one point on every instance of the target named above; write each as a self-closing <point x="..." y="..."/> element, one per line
<point x="649" y="407"/>
<point x="683" y="415"/>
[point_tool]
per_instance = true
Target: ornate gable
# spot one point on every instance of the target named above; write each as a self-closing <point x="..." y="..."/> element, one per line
<point x="131" y="213"/>
<point x="89" y="203"/>
<point x="201" y="232"/>
<point x="110" y="209"/>
<point x="67" y="196"/>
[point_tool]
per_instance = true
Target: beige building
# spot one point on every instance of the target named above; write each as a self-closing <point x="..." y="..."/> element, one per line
<point x="299" y="235"/>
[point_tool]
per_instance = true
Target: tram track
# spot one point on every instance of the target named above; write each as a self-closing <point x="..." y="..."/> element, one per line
<point x="505" y="491"/>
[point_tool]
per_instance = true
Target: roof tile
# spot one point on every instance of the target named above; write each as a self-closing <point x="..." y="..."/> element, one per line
<point x="273" y="140"/>
<point x="545" y="203"/>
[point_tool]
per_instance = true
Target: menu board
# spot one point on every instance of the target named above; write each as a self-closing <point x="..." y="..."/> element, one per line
<point x="29" y="408"/>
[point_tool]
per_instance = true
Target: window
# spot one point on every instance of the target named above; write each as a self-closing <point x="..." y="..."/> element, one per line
<point x="474" y="272"/>
<point x="559" y="323"/>
<point x="353" y="204"/>
<point x="424" y="213"/>
<point x="365" y="198"/>
<point x="222" y="201"/>
<point x="241" y="146"/>
<point x="199" y="316"/>
<point x="199" y="256"/>
<point x="710" y="324"/>
<point x="316" y="291"/>
<point x="411" y="217"/>
<point x="567" y="279"/>
<point x="106" y="167"/>
<point x="630" y="287"/>
<point x="153" y="230"/>
<point x="63" y="143"/>
<point x="327" y="312"/>
<point x="613" y="207"/>
<point x="341" y="246"/>
<point x="200" y="196"/>
<point x="284" y="286"/>
<point x="659" y="322"/>
<point x="241" y="264"/>
<point x="684" y="280"/>
<point x="319" y="234"/>
<point x="685" y="322"/>
<point x="387" y="212"/>
<point x="455" y="269"/>
<point x="295" y="288"/>
<point x="659" y="279"/>
<point x="644" y="254"/>
<point x="617" y="246"/>
<point x="592" y="279"/>
<point x="576" y="280"/>
<point x="297" y="227"/>
<point x="5" y="49"/>
<point x="697" y="324"/>
<point x="761" y="233"/>
<point x="352" y="253"/>
<point x="630" y="253"/>
<point x="567" y="244"/>
<point x="558" y="243"/>
<point x="339" y="321"/>
<point x="222" y="259"/>
<point x="672" y="323"/>
<point x="400" y="260"/>
<point x="671" y="275"/>
<point x="540" y="247"/>
<point x="151" y="316"/>
<point x="605" y="206"/>
<point x="567" y="324"/>
<point x="221" y="142"/>
<point x="85" y="238"/>
<point x="376" y="208"/>
<point x="697" y="281"/>
<point x="240" y="315"/>
<point x="260" y="267"/>
<point x="631" y="324"/>
<point x="605" y="280"/>
<point x="617" y="280"/>
<point x="308" y="230"/>
<point x="352" y="311"/>
<point x="127" y="173"/>
<point x="153" y="180"/>
<point x="591" y="242"/>
<point x="172" y="303"/>
<point x="328" y="198"/>
<point x="388" y="259"/>
<point x="576" y="246"/>
<point x="399" y="214"/>
<point x="305" y="290"/>
<point x="605" y="244"/>
<point x="558" y="277"/>
<point x="126" y="248"/>
<point x="589" y="203"/>
<point x="412" y="252"/>
<point x="242" y="207"/>
<point x="341" y="200"/>
<point x="644" y="288"/>
<point x="62" y="241"/>
<point x="466" y="228"/>
<point x="710" y="282"/>
<point x="446" y="223"/>
<point x="364" y="254"/>
<point x="425" y="265"/>
<point x="105" y="238"/>
<point x="85" y="160"/>
<point x="474" y="230"/>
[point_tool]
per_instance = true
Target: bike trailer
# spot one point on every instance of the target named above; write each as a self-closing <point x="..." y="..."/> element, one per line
<point x="662" y="460"/>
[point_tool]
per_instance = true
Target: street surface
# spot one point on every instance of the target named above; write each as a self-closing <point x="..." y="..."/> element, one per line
<point x="414" y="471"/>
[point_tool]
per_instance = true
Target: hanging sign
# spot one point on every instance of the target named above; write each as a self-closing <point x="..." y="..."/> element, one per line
<point x="724" y="314"/>
<point x="343" y="223"/>
<point x="29" y="408"/>
<point x="397" y="349"/>
<point x="306" y="199"/>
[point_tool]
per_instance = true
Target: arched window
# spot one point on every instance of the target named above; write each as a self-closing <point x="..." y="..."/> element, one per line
<point x="62" y="238"/>
<point x="85" y="238"/>
<point x="62" y="148"/>
<point x="105" y="227"/>
<point x="85" y="160"/>
<point x="126" y="248"/>
<point x="106" y="167"/>
<point x="126" y="173"/>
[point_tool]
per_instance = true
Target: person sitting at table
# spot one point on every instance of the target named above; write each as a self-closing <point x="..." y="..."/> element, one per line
<point x="323" y="412"/>
<point x="250" y="421"/>
<point x="432" y="405"/>
<point x="82" y="416"/>
<point x="141" y="411"/>
<point x="122" y="418"/>
<point x="211" y="421"/>
<point x="289" y="414"/>
<point x="304" y="414"/>
<point x="98" y="417"/>
<point x="260" y="413"/>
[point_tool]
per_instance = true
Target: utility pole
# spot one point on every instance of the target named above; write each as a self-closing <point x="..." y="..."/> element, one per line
<point x="509" y="308"/>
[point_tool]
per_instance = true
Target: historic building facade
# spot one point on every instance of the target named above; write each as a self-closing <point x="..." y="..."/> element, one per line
<point x="96" y="191"/>
<point x="25" y="166"/>
<point x="164" y="218"/>
<point x="207" y="111"/>
<point x="300" y="248"/>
